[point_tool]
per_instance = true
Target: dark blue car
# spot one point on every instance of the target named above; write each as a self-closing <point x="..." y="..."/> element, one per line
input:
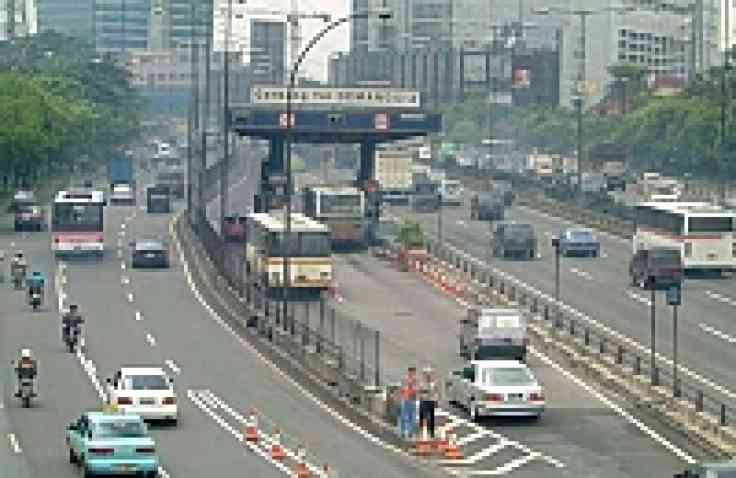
<point x="152" y="253"/>
<point x="579" y="242"/>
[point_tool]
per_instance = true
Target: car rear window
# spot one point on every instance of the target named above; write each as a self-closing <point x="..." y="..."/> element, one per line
<point x="506" y="377"/>
<point x="665" y="258"/>
<point x="119" y="429"/>
<point x="149" y="382"/>
<point x="580" y="236"/>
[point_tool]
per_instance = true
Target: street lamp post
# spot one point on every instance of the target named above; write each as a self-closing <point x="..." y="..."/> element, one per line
<point x="383" y="15"/>
<point x="724" y="100"/>
<point x="556" y="246"/>
<point x="674" y="298"/>
<point x="225" y="166"/>
<point x="581" y="87"/>
<point x="653" y="371"/>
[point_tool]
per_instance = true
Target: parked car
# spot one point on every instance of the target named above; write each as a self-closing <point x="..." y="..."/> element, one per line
<point x="579" y="242"/>
<point x="103" y="443"/>
<point x="512" y="239"/>
<point x="150" y="253"/>
<point x="496" y="388"/>
<point x="487" y="206"/>
<point x="658" y="268"/>
<point x="144" y="391"/>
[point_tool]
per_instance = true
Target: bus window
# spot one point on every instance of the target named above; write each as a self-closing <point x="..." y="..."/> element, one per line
<point x="710" y="224"/>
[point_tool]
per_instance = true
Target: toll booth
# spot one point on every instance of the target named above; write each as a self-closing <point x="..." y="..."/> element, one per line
<point x="233" y="230"/>
<point x="158" y="199"/>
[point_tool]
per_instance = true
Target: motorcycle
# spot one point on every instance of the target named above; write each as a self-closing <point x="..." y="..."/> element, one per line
<point x="25" y="392"/>
<point x="36" y="300"/>
<point x="71" y="337"/>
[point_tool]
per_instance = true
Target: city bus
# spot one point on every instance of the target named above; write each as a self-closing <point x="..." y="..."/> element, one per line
<point x="704" y="233"/>
<point x="77" y="223"/>
<point x="342" y="209"/>
<point x="310" y="263"/>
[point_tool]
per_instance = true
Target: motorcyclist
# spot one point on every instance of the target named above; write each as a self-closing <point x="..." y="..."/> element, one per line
<point x="19" y="266"/>
<point x="35" y="284"/>
<point x="2" y="266"/>
<point x="26" y="368"/>
<point x="70" y="320"/>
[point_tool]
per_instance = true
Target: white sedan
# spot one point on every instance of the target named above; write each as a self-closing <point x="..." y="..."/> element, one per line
<point x="144" y="391"/>
<point x="499" y="388"/>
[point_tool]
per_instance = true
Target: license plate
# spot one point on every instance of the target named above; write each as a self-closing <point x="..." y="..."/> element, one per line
<point x="148" y="401"/>
<point x="150" y="256"/>
<point x="77" y="248"/>
<point x="517" y="397"/>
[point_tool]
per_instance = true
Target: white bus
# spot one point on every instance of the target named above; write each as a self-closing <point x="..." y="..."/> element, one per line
<point x="704" y="233"/>
<point x="77" y="223"/>
<point x="310" y="263"/>
<point x="342" y="209"/>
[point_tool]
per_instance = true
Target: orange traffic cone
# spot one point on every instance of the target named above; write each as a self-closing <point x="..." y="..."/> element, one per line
<point x="251" y="427"/>
<point x="300" y="469"/>
<point x="277" y="451"/>
<point x="453" y="450"/>
<point x="423" y="444"/>
<point x="441" y="443"/>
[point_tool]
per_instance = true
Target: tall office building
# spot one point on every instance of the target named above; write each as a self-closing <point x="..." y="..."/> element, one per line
<point x="122" y="25"/>
<point x="18" y="18"/>
<point x="268" y="51"/>
<point x="69" y="17"/>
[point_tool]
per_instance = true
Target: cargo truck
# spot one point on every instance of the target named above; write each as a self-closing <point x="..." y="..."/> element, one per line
<point x="488" y="333"/>
<point x="394" y="175"/>
<point x="158" y="199"/>
<point x="121" y="179"/>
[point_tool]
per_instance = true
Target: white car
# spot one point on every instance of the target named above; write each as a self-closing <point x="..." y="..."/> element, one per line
<point x="122" y="194"/>
<point x="498" y="388"/>
<point x="144" y="391"/>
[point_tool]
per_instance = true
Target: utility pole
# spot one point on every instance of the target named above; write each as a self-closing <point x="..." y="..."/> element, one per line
<point x="225" y="169"/>
<point x="206" y="112"/>
<point x="724" y="98"/>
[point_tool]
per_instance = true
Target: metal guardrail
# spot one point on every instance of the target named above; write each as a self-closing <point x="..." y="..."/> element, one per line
<point x="588" y="337"/>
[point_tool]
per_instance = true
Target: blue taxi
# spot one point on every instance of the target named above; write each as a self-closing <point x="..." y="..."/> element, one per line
<point x="111" y="443"/>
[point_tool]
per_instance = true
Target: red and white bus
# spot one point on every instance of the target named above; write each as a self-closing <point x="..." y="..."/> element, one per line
<point x="704" y="233"/>
<point x="77" y="223"/>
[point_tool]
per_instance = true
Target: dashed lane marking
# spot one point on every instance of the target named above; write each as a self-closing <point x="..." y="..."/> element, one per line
<point x="138" y="316"/>
<point x="651" y="433"/>
<point x="150" y="339"/>
<point x="639" y="298"/>
<point x="130" y="297"/>
<point x="173" y="366"/>
<point x="709" y="329"/>
<point x="124" y="280"/>
<point x="123" y="266"/>
<point x="723" y="299"/>
<point x="14" y="444"/>
<point x="581" y="273"/>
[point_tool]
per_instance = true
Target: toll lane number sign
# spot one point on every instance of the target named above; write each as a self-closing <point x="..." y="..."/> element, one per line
<point x="381" y="121"/>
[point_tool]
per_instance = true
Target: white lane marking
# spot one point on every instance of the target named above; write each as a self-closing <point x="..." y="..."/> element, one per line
<point x="138" y="315"/>
<point x="163" y="473"/>
<point x="120" y="254"/>
<point x="581" y="273"/>
<point x="14" y="444"/>
<point x="203" y="404"/>
<point x="717" y="333"/>
<point x="121" y="233"/>
<point x="150" y="339"/>
<point x="124" y="280"/>
<point x="639" y="298"/>
<point x="616" y="408"/>
<point x="123" y="266"/>
<point x="173" y="366"/>
<point x="2" y="404"/>
<point x="122" y="225"/>
<point x="130" y="297"/>
<point x="721" y="298"/>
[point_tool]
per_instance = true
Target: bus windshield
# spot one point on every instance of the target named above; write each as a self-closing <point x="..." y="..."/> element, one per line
<point x="710" y="224"/>
<point x="340" y="204"/>
<point x="302" y="244"/>
<point x="77" y="217"/>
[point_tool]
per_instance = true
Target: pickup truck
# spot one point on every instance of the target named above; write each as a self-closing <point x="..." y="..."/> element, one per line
<point x="496" y="388"/>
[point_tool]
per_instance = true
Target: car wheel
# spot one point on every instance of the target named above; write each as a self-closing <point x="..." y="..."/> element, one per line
<point x="473" y="410"/>
<point x="72" y="457"/>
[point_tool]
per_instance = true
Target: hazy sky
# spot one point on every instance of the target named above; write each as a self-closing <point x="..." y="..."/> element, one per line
<point x="337" y="40"/>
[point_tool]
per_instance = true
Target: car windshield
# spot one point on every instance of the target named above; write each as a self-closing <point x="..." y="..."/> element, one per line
<point x="148" y="382"/>
<point x="119" y="429"/>
<point x="580" y="236"/>
<point x="519" y="231"/>
<point x="506" y="377"/>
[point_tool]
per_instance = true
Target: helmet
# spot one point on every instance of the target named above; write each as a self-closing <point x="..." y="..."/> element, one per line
<point x="19" y="254"/>
<point x="25" y="353"/>
<point x="72" y="307"/>
<point x="36" y="274"/>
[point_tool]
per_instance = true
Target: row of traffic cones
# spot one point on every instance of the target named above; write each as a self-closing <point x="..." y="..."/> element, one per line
<point x="252" y="435"/>
<point x="445" y="445"/>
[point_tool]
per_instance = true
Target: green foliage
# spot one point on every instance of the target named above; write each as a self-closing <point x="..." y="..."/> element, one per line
<point x="63" y="106"/>
<point x="677" y="135"/>
<point x="411" y="235"/>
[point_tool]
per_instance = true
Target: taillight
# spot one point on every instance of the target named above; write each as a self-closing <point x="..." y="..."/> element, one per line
<point x="125" y="401"/>
<point x="169" y="401"/>
<point x="56" y="240"/>
<point x="101" y="239"/>
<point x="494" y="397"/>
<point x="145" y="450"/>
<point x="100" y="451"/>
<point x="536" y="397"/>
